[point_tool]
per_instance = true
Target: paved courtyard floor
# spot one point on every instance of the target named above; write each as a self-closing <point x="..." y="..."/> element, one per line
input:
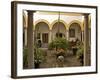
<point x="51" y="61"/>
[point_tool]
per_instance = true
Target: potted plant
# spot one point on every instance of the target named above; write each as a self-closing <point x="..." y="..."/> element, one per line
<point x="60" y="45"/>
<point x="80" y="52"/>
<point x="38" y="56"/>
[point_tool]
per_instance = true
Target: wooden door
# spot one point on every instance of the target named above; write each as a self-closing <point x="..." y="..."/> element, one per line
<point x="45" y="37"/>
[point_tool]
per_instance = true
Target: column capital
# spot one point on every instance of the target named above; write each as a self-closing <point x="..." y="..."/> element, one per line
<point x="31" y="11"/>
<point x="82" y="30"/>
<point x="50" y="30"/>
<point x="86" y="14"/>
<point x="25" y="27"/>
<point x="67" y="29"/>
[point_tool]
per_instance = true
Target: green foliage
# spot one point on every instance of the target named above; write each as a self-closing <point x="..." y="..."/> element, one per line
<point x="38" y="55"/>
<point x="25" y="61"/>
<point x="51" y="45"/>
<point x="80" y="50"/>
<point x="59" y="43"/>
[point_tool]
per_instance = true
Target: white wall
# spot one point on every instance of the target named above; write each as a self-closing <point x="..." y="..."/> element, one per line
<point x="5" y="41"/>
<point x="52" y="18"/>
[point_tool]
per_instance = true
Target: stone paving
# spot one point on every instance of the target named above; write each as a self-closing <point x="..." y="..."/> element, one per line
<point x="51" y="61"/>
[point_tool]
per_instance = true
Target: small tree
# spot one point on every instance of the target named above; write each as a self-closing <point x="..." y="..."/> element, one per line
<point x="61" y="43"/>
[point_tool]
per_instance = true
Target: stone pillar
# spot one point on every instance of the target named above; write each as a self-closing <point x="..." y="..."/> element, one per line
<point x="25" y="37"/>
<point x="82" y="36"/>
<point x="86" y="39"/>
<point x="50" y="36"/>
<point x="89" y="37"/>
<point x="67" y="34"/>
<point x="30" y="40"/>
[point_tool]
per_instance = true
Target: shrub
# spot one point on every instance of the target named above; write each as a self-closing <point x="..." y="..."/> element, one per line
<point x="61" y="43"/>
<point x="38" y="55"/>
<point x="79" y="53"/>
<point x="80" y="50"/>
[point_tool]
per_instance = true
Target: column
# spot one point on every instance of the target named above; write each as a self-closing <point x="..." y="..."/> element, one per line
<point x="50" y="36"/>
<point x="89" y="37"/>
<point x="86" y="40"/>
<point x="82" y="36"/>
<point x="33" y="37"/>
<point x="25" y="37"/>
<point x="30" y="40"/>
<point x="67" y="34"/>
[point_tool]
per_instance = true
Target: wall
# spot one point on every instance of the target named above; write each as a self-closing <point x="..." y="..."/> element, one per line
<point x="5" y="41"/>
<point x="54" y="17"/>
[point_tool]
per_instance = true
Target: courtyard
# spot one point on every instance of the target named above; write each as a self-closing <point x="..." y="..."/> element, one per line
<point x="56" y="39"/>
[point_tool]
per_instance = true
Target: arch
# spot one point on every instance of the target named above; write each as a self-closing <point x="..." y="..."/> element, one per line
<point x="54" y="22"/>
<point x="75" y="31"/>
<point x="42" y="20"/>
<point x="62" y="29"/>
<point x="43" y="26"/>
<point x="42" y="33"/>
<point x="76" y="21"/>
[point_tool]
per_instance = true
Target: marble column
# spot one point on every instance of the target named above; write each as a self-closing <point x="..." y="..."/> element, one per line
<point x="89" y="37"/>
<point x="82" y="36"/>
<point x="67" y="34"/>
<point x="86" y="39"/>
<point x="50" y="36"/>
<point x="25" y="36"/>
<point x="30" y="40"/>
